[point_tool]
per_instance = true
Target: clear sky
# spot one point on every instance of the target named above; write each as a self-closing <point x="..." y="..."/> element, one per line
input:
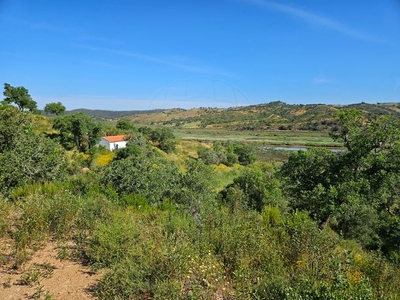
<point x="127" y="55"/>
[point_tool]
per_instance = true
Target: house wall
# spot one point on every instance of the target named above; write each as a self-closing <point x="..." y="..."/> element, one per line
<point x="113" y="145"/>
<point x="118" y="145"/>
<point x="105" y="143"/>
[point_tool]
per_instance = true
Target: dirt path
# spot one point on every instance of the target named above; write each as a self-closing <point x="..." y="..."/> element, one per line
<point x="45" y="276"/>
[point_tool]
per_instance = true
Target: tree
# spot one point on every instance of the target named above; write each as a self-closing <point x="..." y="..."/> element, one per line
<point x="146" y="131"/>
<point x="229" y="154"/>
<point x="241" y="153"/>
<point x="255" y="188"/>
<point x="216" y="155"/>
<point x="125" y="125"/>
<point x="136" y="147"/>
<point x="194" y="189"/>
<point x="33" y="158"/>
<point x="308" y="177"/>
<point x="26" y="157"/>
<point x="77" y="130"/>
<point x="54" y="108"/>
<point x="208" y="156"/>
<point x="355" y="191"/>
<point x="152" y="178"/>
<point x="164" y="139"/>
<point x="20" y="97"/>
<point x="13" y="125"/>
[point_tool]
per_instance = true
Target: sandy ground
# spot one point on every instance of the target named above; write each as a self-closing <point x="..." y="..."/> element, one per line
<point x="45" y="276"/>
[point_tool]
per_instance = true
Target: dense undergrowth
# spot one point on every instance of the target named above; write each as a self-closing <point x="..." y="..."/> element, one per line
<point x="163" y="230"/>
<point x="159" y="252"/>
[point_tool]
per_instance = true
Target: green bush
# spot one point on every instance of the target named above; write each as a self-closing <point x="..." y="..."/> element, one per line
<point x="255" y="188"/>
<point x="115" y="240"/>
<point x="5" y="216"/>
<point x="146" y="259"/>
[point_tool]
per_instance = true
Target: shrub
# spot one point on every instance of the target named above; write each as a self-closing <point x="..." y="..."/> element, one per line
<point x="5" y="216"/>
<point x="145" y="261"/>
<point x="255" y="188"/>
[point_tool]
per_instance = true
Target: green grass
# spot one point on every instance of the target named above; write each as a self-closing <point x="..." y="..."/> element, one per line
<point x="302" y="138"/>
<point x="224" y="175"/>
<point x="271" y="155"/>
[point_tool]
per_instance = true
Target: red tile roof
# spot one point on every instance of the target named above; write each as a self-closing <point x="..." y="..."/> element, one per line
<point x="115" y="138"/>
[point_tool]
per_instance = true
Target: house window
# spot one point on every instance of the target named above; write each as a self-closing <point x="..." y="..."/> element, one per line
<point x="116" y="146"/>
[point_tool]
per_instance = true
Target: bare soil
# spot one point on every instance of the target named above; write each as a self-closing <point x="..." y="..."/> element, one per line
<point x="45" y="276"/>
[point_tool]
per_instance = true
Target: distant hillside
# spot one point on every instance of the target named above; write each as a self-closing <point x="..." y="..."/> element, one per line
<point x="110" y="114"/>
<point x="273" y="115"/>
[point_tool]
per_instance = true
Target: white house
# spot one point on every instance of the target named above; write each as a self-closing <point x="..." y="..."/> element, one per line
<point x="114" y="142"/>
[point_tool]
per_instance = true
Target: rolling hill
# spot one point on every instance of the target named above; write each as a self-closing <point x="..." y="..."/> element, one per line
<point x="273" y="115"/>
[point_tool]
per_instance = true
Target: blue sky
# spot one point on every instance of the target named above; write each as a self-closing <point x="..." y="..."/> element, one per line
<point x="127" y="55"/>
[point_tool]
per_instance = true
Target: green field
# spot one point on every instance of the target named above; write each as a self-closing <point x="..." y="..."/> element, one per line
<point x="288" y="138"/>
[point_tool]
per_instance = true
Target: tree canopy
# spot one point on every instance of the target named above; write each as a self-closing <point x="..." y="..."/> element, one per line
<point x="355" y="191"/>
<point x="20" y="97"/>
<point x="13" y="125"/>
<point x="54" y="108"/>
<point x="125" y="125"/>
<point x="77" y="130"/>
<point x="26" y="157"/>
<point x="255" y="188"/>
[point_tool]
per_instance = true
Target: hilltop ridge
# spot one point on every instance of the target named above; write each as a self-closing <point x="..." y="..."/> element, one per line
<point x="273" y="115"/>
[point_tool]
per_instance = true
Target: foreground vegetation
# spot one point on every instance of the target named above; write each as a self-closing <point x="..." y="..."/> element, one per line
<point x="215" y="225"/>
